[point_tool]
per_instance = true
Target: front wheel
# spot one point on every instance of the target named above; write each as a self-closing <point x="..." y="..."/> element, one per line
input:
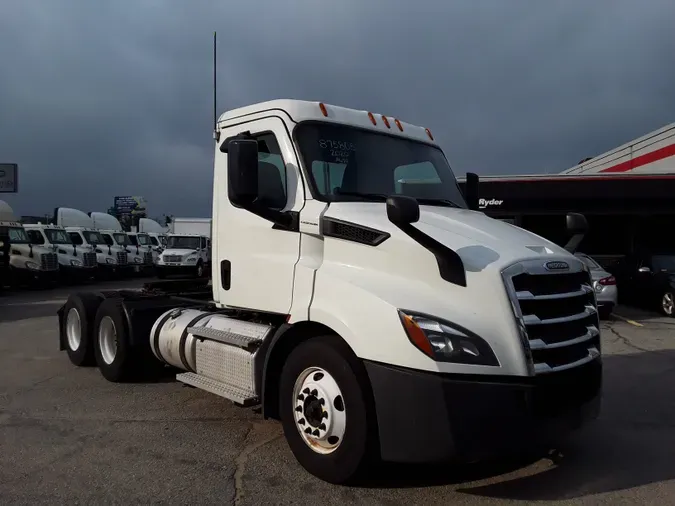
<point x="199" y="271"/>
<point x="325" y="410"/>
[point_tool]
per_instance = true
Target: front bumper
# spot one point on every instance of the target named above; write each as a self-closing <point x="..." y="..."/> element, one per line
<point x="174" y="270"/>
<point x="425" y="417"/>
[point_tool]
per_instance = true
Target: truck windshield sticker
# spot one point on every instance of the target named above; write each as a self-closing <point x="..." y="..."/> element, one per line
<point x="336" y="151"/>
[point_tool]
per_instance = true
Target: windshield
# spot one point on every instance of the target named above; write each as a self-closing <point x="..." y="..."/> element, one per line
<point x="177" y="242"/>
<point x="122" y="239"/>
<point x="56" y="236"/>
<point x="592" y="264"/>
<point x="143" y="239"/>
<point x="348" y="163"/>
<point x="16" y="235"/>
<point x="663" y="263"/>
<point x="93" y="237"/>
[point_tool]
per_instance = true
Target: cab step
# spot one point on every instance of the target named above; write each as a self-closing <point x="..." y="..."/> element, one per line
<point x="237" y="395"/>
<point x="225" y="356"/>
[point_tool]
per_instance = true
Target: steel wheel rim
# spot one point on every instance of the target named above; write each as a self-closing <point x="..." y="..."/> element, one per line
<point x="319" y="410"/>
<point x="200" y="270"/>
<point x="107" y="339"/>
<point x="73" y="329"/>
<point x="668" y="303"/>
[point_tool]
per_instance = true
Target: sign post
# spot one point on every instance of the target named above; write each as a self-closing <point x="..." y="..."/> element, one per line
<point x="9" y="180"/>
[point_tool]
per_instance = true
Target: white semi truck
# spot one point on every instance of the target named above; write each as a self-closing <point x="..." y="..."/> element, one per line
<point x="23" y="261"/>
<point x="75" y="264"/>
<point x="377" y="319"/>
<point x="80" y="229"/>
<point x="115" y="237"/>
<point x="188" y="248"/>
<point x="157" y="234"/>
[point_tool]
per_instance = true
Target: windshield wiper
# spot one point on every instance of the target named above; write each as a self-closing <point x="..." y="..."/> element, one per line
<point x="370" y="196"/>
<point x="438" y="202"/>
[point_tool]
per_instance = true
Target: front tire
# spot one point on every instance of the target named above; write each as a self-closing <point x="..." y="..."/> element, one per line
<point x="324" y="408"/>
<point x="199" y="271"/>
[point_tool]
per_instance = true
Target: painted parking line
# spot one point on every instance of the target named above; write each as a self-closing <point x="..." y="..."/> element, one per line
<point x="628" y="320"/>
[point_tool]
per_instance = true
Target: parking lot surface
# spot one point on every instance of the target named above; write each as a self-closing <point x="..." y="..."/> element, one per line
<point x="68" y="436"/>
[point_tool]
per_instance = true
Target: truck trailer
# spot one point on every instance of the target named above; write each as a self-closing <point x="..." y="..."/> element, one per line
<point x="379" y="319"/>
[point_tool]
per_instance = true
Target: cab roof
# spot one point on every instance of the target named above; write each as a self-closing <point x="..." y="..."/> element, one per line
<point x="302" y="110"/>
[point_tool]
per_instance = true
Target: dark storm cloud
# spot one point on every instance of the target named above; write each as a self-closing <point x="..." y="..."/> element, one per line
<point x="113" y="98"/>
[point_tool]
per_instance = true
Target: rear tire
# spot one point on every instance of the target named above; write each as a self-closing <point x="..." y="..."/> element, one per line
<point x="333" y="403"/>
<point x="78" y="327"/>
<point x="114" y="355"/>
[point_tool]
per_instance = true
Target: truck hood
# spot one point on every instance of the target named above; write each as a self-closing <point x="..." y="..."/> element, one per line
<point x="479" y="240"/>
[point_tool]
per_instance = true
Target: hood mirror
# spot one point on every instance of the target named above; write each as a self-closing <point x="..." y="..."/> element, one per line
<point x="402" y="210"/>
<point x="577" y="227"/>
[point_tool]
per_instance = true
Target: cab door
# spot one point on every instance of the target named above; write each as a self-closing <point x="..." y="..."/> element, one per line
<point x="254" y="259"/>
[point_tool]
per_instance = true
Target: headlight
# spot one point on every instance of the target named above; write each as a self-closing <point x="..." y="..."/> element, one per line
<point x="191" y="259"/>
<point x="138" y="260"/>
<point x="33" y="266"/>
<point x="75" y="263"/>
<point x="110" y="261"/>
<point x="446" y="342"/>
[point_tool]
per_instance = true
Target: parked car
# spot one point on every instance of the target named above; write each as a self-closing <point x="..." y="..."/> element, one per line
<point x="648" y="280"/>
<point x="604" y="284"/>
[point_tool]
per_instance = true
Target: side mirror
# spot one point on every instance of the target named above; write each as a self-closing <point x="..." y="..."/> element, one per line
<point x="402" y="210"/>
<point x="471" y="191"/>
<point x="577" y="226"/>
<point x="242" y="171"/>
<point x="644" y="270"/>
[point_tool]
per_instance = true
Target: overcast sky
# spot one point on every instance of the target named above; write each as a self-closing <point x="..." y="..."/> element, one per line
<point x="99" y="99"/>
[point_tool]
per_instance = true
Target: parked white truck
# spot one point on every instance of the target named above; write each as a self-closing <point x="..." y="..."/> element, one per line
<point x="188" y="248"/>
<point x="115" y="237"/>
<point x="80" y="229"/>
<point x="24" y="262"/>
<point x="375" y="323"/>
<point x="75" y="264"/>
<point x="157" y="235"/>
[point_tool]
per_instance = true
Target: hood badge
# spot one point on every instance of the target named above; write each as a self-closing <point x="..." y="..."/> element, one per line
<point x="556" y="266"/>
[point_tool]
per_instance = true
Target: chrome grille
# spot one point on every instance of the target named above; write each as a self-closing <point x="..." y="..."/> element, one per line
<point x="556" y="313"/>
<point x="122" y="258"/>
<point x="147" y="257"/>
<point x="49" y="261"/>
<point x="172" y="258"/>
<point x="89" y="259"/>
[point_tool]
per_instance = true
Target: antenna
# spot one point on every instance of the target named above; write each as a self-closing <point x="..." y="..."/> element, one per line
<point x="215" y="109"/>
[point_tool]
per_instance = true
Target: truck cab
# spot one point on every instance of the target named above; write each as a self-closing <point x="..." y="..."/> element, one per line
<point x="185" y="254"/>
<point x="25" y="261"/>
<point x="141" y="241"/>
<point x="116" y="238"/>
<point x="80" y="229"/>
<point x="361" y="298"/>
<point x="74" y="263"/>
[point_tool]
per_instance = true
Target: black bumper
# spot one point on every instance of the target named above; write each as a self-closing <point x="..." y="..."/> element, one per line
<point x="426" y="417"/>
<point x="176" y="270"/>
<point x="77" y="272"/>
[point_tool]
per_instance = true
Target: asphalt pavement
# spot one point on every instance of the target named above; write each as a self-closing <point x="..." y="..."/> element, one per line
<point x="68" y="436"/>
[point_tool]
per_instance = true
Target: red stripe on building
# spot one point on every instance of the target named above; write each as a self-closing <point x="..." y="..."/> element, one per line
<point x="639" y="161"/>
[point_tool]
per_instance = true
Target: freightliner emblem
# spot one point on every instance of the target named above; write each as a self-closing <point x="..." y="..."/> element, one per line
<point x="556" y="266"/>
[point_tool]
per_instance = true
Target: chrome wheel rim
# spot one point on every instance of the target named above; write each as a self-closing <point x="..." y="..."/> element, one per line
<point x="107" y="339"/>
<point x="319" y="410"/>
<point x="73" y="329"/>
<point x="668" y="303"/>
